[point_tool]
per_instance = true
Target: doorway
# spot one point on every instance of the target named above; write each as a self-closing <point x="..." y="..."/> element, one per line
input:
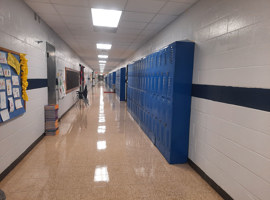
<point x="51" y="73"/>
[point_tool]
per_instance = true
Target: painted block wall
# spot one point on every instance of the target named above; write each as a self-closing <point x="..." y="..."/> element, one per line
<point x="19" y="32"/>
<point x="229" y="143"/>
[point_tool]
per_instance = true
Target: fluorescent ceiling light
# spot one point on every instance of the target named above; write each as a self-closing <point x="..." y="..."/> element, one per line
<point x="106" y="18"/>
<point x="103" y="56"/>
<point x="102" y="61"/>
<point x="104" y="46"/>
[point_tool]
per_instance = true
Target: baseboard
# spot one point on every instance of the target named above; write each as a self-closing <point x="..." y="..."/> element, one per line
<point x="20" y="158"/>
<point x="212" y="183"/>
<point x="60" y="118"/>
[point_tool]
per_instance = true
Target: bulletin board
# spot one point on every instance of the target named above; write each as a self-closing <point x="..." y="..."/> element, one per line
<point x="11" y="102"/>
<point x="72" y="80"/>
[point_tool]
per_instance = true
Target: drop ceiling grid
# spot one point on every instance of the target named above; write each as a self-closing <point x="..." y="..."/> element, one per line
<point x="141" y="20"/>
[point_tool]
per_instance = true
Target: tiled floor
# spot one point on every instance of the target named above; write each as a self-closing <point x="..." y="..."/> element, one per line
<point x="101" y="153"/>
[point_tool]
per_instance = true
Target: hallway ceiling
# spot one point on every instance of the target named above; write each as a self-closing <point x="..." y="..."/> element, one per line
<point x="140" y="21"/>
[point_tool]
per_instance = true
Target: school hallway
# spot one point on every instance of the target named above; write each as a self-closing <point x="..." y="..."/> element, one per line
<point x="101" y="153"/>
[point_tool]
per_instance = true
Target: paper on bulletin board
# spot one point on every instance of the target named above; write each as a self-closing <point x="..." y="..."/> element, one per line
<point x="15" y="80"/>
<point x="61" y="85"/>
<point x="7" y="73"/>
<point x="11" y="104"/>
<point x="3" y="103"/>
<point x="1" y="70"/>
<point x="2" y="84"/>
<point x="16" y="92"/>
<point x="9" y="87"/>
<point x="5" y="115"/>
<point x="18" y="104"/>
<point x="3" y="58"/>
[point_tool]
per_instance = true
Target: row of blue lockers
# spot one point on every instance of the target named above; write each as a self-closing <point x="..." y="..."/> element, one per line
<point x="117" y="81"/>
<point x="110" y="80"/>
<point x="159" y="98"/>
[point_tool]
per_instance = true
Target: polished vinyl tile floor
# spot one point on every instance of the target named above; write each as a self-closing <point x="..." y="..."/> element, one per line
<point x="101" y="153"/>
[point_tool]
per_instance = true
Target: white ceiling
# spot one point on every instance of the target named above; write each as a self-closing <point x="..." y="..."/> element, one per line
<point x="141" y="20"/>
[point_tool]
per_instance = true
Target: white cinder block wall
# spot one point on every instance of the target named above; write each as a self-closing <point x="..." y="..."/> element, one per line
<point x="18" y="32"/>
<point x="231" y="144"/>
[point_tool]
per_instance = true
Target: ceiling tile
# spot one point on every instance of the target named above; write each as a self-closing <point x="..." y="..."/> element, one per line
<point x="148" y="32"/>
<point x="73" y="11"/>
<point x="45" y="8"/>
<point x="81" y="32"/>
<point x="82" y="3"/>
<point x="137" y="17"/>
<point x="149" y="6"/>
<point x="51" y="19"/>
<point x="141" y="20"/>
<point x="78" y="27"/>
<point x="164" y="19"/>
<point x="133" y="25"/>
<point x="77" y="20"/>
<point x="108" y="4"/>
<point x="185" y="1"/>
<point x="174" y="8"/>
<point x="42" y="1"/>
<point x="131" y="31"/>
<point x="155" y="26"/>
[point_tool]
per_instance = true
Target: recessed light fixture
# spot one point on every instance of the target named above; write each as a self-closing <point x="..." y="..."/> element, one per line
<point x="104" y="46"/>
<point x="103" y="56"/>
<point x="106" y="18"/>
<point x="102" y="61"/>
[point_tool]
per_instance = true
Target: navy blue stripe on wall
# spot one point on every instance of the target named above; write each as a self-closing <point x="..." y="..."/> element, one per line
<point x="255" y="98"/>
<point x="37" y="83"/>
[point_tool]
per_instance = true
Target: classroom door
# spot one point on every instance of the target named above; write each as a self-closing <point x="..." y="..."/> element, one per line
<point x="51" y="73"/>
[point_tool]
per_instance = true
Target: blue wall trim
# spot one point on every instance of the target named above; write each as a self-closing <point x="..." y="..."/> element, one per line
<point x="37" y="83"/>
<point x="255" y="98"/>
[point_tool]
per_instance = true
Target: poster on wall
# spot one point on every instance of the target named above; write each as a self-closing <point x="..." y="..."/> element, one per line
<point x="61" y="84"/>
<point x="3" y="58"/>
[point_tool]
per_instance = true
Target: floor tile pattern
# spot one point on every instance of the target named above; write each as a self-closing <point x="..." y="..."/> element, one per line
<point x="101" y="153"/>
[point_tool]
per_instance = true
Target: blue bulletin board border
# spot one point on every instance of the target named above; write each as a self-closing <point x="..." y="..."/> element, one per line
<point x="16" y="112"/>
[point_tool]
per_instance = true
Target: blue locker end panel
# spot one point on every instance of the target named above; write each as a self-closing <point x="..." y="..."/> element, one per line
<point x="114" y="77"/>
<point x="181" y="101"/>
<point x="120" y="84"/>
